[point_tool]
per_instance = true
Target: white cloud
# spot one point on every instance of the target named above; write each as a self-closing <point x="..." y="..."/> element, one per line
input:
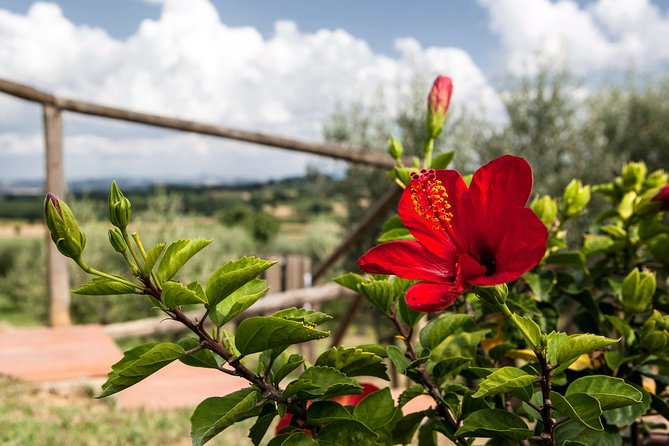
<point x="189" y="63"/>
<point x="607" y="34"/>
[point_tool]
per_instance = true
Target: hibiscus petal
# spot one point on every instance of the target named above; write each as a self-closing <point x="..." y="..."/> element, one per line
<point x="469" y="268"/>
<point x="407" y="259"/>
<point x="502" y="184"/>
<point x="436" y="235"/>
<point x="429" y="297"/>
<point x="519" y="248"/>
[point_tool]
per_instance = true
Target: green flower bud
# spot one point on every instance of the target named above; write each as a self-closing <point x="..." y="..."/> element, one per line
<point x="117" y="241"/>
<point x="493" y="295"/>
<point x="634" y="174"/>
<point x="575" y="198"/>
<point x="637" y="290"/>
<point x="656" y="179"/>
<point x="653" y="336"/>
<point x="119" y="207"/>
<point x="546" y="209"/>
<point x="395" y="148"/>
<point x="63" y="227"/>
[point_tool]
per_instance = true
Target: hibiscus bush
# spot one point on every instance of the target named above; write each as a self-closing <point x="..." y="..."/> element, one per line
<point x="518" y="325"/>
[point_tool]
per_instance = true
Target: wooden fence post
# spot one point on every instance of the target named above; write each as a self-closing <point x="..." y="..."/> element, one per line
<point x="58" y="279"/>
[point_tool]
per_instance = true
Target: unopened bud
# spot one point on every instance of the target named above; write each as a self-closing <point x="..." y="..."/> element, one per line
<point x="119" y="207"/>
<point x="437" y="104"/>
<point x="395" y="148"/>
<point x="634" y="174"/>
<point x="493" y="295"/>
<point x="117" y="241"/>
<point x="546" y="209"/>
<point x="638" y="289"/>
<point x="575" y="198"/>
<point x="662" y="197"/>
<point x="63" y="227"/>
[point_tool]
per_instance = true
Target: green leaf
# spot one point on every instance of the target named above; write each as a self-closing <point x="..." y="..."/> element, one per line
<point x="303" y="315"/>
<point x="442" y="327"/>
<point x="380" y="293"/>
<point x="259" y="333"/>
<point x="214" y="415"/>
<point x="572" y="432"/>
<point x="262" y="424"/>
<point x="541" y="285"/>
<point x="395" y="234"/>
<point x="502" y="380"/>
<point x="573" y="346"/>
<point x="410" y="393"/>
<point x="328" y="383"/>
<point x="400" y="361"/>
<point x="442" y="160"/>
<point x="494" y="423"/>
<point x="449" y="366"/>
<point x="175" y="294"/>
<point x="593" y="244"/>
<point x="137" y="364"/>
<point x="238" y="302"/>
<point x="571" y="258"/>
<point x="101" y="286"/>
<point x="204" y="358"/>
<point x="348" y="432"/>
<point x="152" y="258"/>
<point x="407" y="426"/>
<point x="376" y="409"/>
<point x="177" y="254"/>
<point x="232" y="276"/>
<point x="353" y="362"/>
<point x="622" y="327"/>
<point x="610" y="392"/>
<point x="408" y="316"/>
<point x="660" y="406"/>
<point x="580" y="407"/>
<point x="299" y="438"/>
<point x="325" y="412"/>
<point x="530" y="328"/>
<point x="624" y="416"/>
<point x="282" y="369"/>
<point x="350" y="281"/>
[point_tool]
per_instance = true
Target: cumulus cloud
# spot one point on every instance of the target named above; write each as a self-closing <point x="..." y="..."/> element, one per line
<point x="607" y="34"/>
<point x="188" y="63"/>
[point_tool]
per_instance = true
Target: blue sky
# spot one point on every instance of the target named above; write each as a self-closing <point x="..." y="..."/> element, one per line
<point x="283" y="67"/>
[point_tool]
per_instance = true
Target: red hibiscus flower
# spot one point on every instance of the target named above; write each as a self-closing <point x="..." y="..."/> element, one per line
<point x="481" y="235"/>
<point x="344" y="400"/>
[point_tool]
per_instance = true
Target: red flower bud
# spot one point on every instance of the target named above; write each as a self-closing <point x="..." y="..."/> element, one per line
<point x="437" y="104"/>
<point x="663" y="197"/>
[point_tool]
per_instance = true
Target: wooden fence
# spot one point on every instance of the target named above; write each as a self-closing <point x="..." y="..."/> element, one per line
<point x="53" y="107"/>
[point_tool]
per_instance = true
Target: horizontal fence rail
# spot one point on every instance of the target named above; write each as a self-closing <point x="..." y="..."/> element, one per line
<point x="88" y="108"/>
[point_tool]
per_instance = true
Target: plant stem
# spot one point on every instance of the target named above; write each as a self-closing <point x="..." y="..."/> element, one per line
<point x="95" y="272"/>
<point x="546" y="384"/>
<point x="429" y="148"/>
<point x="426" y="379"/>
<point x="142" y="251"/>
<point x="130" y="248"/>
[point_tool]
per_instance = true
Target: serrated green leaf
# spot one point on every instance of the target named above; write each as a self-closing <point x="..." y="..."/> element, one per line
<point x="101" y="286"/>
<point x="502" y="380"/>
<point x="214" y="415"/>
<point x="348" y="432"/>
<point x="175" y="294"/>
<point x="442" y="327"/>
<point x="408" y="315"/>
<point x="377" y="349"/>
<point x="610" y="392"/>
<point x="376" y="409"/>
<point x="353" y="362"/>
<point x="238" y="302"/>
<point x="350" y="281"/>
<point x="624" y="416"/>
<point x="325" y="382"/>
<point x="281" y="369"/>
<point x="177" y="254"/>
<point x="152" y="258"/>
<point x="576" y="433"/>
<point x="137" y="364"/>
<point x="259" y="333"/>
<point x="494" y="423"/>
<point x="580" y="407"/>
<point x="407" y="426"/>
<point x="232" y="276"/>
<point x="575" y="345"/>
<point x="325" y="412"/>
<point x="204" y="358"/>
<point x="380" y="293"/>
<point x="449" y="366"/>
<point x="303" y="315"/>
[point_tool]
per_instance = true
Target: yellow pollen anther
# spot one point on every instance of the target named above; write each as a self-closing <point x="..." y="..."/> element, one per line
<point x="430" y="199"/>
